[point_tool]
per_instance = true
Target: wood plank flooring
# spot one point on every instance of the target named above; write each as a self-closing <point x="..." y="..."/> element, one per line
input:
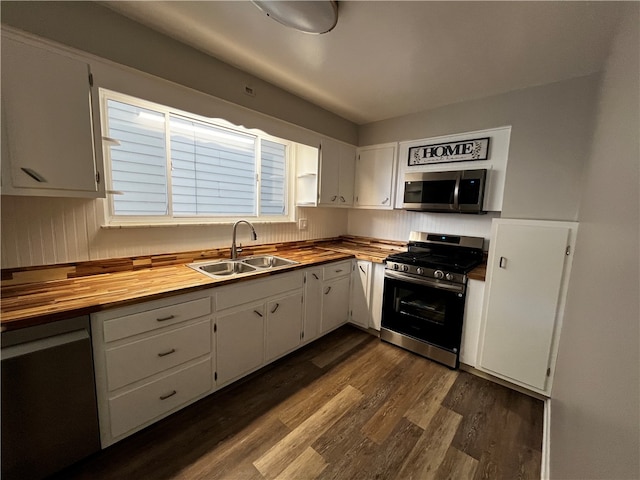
<point x="345" y="407"/>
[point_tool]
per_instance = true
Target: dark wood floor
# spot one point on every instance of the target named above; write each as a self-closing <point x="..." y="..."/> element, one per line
<point x="345" y="407"/>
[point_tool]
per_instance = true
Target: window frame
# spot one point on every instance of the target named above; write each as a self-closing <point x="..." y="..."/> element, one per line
<point x="169" y="219"/>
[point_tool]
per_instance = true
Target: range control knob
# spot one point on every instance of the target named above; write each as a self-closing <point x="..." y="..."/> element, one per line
<point x="438" y="274"/>
<point x="449" y="276"/>
<point x="419" y="271"/>
<point x="405" y="268"/>
<point x="395" y="266"/>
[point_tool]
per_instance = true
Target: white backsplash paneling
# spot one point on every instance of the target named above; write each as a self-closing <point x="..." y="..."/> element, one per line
<point x="398" y="224"/>
<point x="39" y="230"/>
<point x="45" y="231"/>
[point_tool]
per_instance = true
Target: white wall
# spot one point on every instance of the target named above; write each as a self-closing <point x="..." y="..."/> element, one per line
<point x="96" y="29"/>
<point x="595" y="422"/>
<point x="550" y="136"/>
<point x="44" y="231"/>
<point x="398" y="224"/>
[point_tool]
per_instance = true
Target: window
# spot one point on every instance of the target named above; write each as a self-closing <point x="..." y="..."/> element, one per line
<point x="172" y="166"/>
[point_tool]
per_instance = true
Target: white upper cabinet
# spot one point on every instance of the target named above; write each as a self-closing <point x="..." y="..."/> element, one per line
<point x="527" y="273"/>
<point x="375" y="176"/>
<point x="49" y="135"/>
<point x="337" y="172"/>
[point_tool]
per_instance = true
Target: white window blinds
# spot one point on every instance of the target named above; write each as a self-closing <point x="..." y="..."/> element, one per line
<point x="139" y="163"/>
<point x="213" y="171"/>
<point x="172" y="165"/>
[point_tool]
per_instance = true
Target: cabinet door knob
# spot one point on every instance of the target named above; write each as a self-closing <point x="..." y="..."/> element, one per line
<point x="385" y="200"/>
<point x="333" y="199"/>
<point x="315" y="276"/>
<point x="503" y="262"/>
<point x="361" y="269"/>
<point x="342" y="199"/>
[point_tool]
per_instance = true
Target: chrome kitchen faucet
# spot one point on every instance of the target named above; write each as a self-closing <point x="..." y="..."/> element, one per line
<point x="234" y="249"/>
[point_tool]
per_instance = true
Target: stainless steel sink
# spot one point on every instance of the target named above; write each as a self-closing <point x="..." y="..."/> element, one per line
<point x="267" y="261"/>
<point x="244" y="266"/>
<point x="224" y="268"/>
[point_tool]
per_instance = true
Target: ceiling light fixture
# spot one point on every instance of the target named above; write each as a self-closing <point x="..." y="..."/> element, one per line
<point x="305" y="16"/>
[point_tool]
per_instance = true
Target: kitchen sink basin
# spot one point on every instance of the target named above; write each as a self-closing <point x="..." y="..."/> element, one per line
<point x="244" y="266"/>
<point x="267" y="261"/>
<point x="225" y="268"/>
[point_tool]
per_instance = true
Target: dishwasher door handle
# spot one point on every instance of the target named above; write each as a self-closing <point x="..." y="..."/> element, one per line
<point x="33" y="346"/>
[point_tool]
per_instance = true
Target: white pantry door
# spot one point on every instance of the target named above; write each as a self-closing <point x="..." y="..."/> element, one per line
<point x="522" y="300"/>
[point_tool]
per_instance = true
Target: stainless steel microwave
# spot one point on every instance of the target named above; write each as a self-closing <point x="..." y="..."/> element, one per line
<point x="460" y="191"/>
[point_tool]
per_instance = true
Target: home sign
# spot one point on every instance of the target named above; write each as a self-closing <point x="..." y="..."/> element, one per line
<point x="460" y="151"/>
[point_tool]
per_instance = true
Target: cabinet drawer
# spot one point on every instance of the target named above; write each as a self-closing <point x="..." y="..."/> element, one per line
<point x="149" y="401"/>
<point x="242" y="293"/>
<point x="137" y="360"/>
<point x="129" y="325"/>
<point x="334" y="270"/>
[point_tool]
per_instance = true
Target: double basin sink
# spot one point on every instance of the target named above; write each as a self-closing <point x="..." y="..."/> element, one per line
<point x="238" y="267"/>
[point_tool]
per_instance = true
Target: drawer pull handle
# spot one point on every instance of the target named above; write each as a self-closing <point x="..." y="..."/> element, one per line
<point x="169" y="352"/>
<point x="315" y="276"/>
<point x="342" y="199"/>
<point x="328" y="290"/>
<point x="338" y="271"/>
<point x="170" y="394"/>
<point x="503" y="262"/>
<point x="164" y="319"/>
<point x="275" y="308"/>
<point x="257" y="313"/>
<point x="361" y="269"/>
<point x="333" y="199"/>
<point x="385" y="200"/>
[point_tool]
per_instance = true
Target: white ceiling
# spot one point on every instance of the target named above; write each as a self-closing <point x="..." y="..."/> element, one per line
<point x="386" y="59"/>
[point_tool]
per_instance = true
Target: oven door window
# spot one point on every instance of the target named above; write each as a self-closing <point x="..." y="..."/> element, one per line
<point x="423" y="312"/>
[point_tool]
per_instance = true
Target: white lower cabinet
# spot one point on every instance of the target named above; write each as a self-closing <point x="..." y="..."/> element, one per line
<point x="367" y="288"/>
<point x="359" y="312"/>
<point x="151" y="359"/>
<point x="335" y="295"/>
<point x="377" y="292"/>
<point x="284" y="332"/>
<point x="150" y="401"/>
<point x="527" y="271"/>
<point x="312" y="316"/>
<point x="239" y="342"/>
<point x="472" y="321"/>
<point x="154" y="358"/>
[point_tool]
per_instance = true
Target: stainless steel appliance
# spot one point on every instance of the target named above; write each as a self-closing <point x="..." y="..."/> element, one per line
<point x="49" y="412"/>
<point x="460" y="191"/>
<point x="424" y="294"/>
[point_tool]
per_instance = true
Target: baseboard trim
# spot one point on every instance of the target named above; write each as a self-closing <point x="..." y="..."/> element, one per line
<point x="546" y="440"/>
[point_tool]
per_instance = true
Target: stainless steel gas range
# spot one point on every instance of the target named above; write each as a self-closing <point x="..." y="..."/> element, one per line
<point x="424" y="294"/>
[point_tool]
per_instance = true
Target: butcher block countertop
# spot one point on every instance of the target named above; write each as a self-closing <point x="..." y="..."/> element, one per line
<point x="64" y="291"/>
<point x="94" y="286"/>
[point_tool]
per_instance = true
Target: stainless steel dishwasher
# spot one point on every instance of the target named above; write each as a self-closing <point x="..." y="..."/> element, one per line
<point x="49" y="412"/>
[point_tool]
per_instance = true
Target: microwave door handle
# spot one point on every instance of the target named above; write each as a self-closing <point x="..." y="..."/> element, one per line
<point x="456" y="192"/>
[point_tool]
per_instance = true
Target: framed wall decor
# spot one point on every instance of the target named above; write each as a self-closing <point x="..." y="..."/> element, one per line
<point x="460" y="151"/>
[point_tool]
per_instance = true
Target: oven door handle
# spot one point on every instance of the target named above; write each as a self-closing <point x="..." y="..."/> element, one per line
<point x="425" y="282"/>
